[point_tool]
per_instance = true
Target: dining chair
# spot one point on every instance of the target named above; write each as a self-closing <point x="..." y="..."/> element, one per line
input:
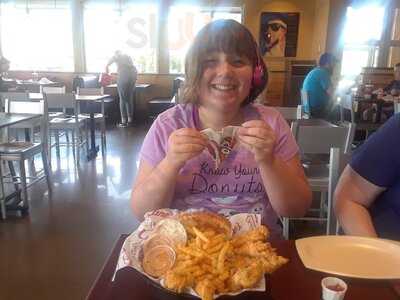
<point x="317" y="141"/>
<point x="157" y="105"/>
<point x="290" y="113"/>
<point x="31" y="126"/>
<point x="52" y="89"/>
<point x="339" y="161"/>
<point x="70" y="122"/>
<point x="14" y="96"/>
<point x="396" y="107"/>
<point x="22" y="152"/>
<point x="348" y="111"/>
<point x="305" y="104"/>
<point x="99" y="116"/>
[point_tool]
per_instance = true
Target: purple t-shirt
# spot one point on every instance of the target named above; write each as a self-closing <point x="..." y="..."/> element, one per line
<point x="236" y="185"/>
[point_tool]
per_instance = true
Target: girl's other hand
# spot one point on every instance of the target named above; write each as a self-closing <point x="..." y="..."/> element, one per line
<point x="258" y="138"/>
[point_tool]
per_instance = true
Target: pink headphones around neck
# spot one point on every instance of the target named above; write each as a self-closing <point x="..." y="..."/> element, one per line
<point x="258" y="73"/>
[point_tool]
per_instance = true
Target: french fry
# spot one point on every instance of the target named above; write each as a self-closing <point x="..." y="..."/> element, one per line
<point x="215" y="249"/>
<point x="198" y="242"/>
<point x="209" y="233"/>
<point x="191" y="252"/>
<point x="221" y="256"/>
<point x="199" y="234"/>
<point x="217" y="239"/>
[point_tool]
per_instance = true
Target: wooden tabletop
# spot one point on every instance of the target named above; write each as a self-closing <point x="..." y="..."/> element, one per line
<point x="7" y="119"/>
<point x="292" y="281"/>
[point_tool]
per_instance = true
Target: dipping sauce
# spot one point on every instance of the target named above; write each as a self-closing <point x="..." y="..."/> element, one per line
<point x="336" y="287"/>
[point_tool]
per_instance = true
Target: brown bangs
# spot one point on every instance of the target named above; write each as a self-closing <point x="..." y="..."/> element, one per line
<point x="227" y="36"/>
<point x="230" y="38"/>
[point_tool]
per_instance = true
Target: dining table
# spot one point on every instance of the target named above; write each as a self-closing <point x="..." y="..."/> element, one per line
<point x="291" y="281"/>
<point x="92" y="100"/>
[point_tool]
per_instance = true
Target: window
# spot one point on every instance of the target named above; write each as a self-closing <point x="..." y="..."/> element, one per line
<point x="362" y="33"/>
<point x="37" y="36"/>
<point x="131" y="28"/>
<point x="394" y="50"/>
<point x="183" y="24"/>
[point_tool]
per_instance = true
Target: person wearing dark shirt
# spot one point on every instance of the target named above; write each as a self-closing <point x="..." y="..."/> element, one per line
<point x="394" y="86"/>
<point x="367" y="197"/>
<point x="318" y="86"/>
<point x="126" y="81"/>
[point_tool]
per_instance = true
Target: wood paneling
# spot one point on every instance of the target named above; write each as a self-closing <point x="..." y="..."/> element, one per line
<point x="274" y="91"/>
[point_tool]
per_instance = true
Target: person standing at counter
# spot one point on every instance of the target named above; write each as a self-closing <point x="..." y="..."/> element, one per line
<point x="126" y="81"/>
<point x="318" y="86"/>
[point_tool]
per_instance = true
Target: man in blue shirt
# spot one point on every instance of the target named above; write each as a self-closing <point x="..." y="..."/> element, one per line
<point x="367" y="197"/>
<point x="317" y="85"/>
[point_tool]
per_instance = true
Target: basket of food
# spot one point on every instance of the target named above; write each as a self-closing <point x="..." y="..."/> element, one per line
<point x="201" y="253"/>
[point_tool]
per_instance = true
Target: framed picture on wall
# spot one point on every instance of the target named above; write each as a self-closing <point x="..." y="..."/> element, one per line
<point x="278" y="34"/>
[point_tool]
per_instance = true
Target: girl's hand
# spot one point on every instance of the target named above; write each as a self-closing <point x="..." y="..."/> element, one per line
<point x="183" y="145"/>
<point x="259" y="138"/>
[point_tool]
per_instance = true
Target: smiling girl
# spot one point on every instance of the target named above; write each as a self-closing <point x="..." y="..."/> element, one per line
<point x="223" y="75"/>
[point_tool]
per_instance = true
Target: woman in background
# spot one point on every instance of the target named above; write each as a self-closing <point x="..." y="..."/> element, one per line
<point x="126" y="81"/>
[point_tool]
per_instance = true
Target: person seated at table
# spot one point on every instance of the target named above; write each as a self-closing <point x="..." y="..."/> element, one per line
<point x="4" y="67"/>
<point x="318" y="87"/>
<point x="367" y="197"/>
<point x="393" y="87"/>
<point x="126" y="81"/>
<point x="262" y="172"/>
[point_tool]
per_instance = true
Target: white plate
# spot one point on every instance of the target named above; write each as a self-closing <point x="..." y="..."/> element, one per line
<point x="350" y="256"/>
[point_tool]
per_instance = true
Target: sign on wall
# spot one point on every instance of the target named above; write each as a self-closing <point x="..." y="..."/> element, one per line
<point x="278" y="34"/>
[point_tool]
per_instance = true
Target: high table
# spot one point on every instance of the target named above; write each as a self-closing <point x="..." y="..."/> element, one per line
<point x="92" y="99"/>
<point x="292" y="281"/>
<point x="34" y="86"/>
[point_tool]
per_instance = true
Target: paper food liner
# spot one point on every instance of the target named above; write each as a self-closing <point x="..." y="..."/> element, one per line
<point x="220" y="143"/>
<point x="130" y="252"/>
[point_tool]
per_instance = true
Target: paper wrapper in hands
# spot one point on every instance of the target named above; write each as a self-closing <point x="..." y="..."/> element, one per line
<point x="221" y="142"/>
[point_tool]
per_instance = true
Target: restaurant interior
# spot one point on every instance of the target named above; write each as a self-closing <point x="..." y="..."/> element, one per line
<point x="69" y="160"/>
